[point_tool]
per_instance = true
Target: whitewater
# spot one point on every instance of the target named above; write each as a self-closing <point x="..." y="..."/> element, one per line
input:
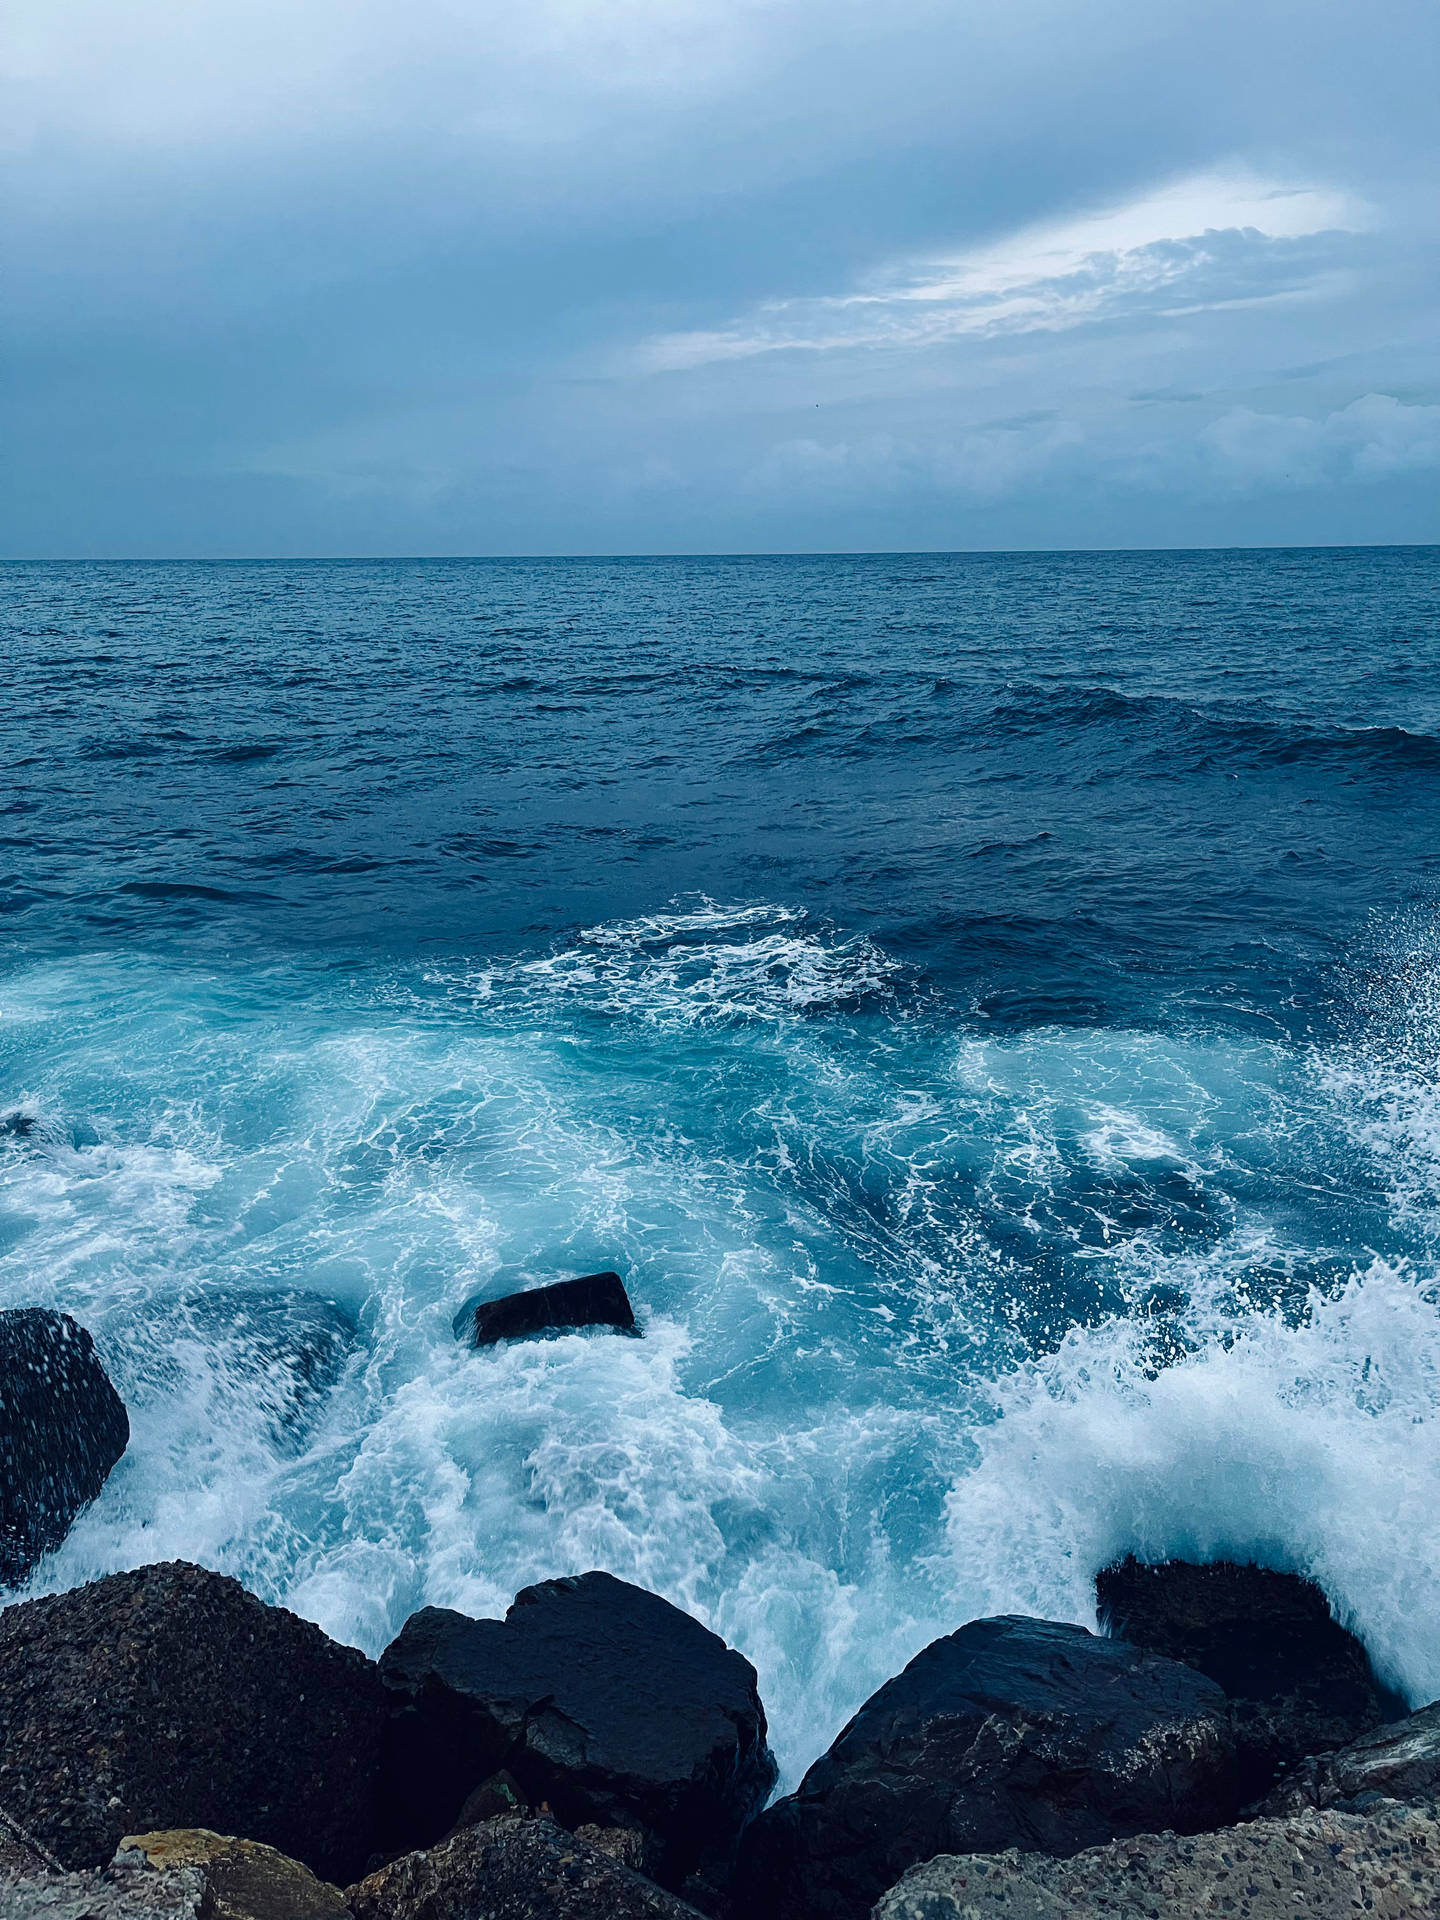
<point x="990" y="1015"/>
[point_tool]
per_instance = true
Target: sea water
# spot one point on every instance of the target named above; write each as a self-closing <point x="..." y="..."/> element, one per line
<point x="987" y="1007"/>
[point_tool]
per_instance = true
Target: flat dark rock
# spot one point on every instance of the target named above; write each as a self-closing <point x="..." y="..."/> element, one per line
<point x="1298" y="1682"/>
<point x="1010" y="1733"/>
<point x="171" y="1697"/>
<point x="511" y="1869"/>
<point x="594" y="1300"/>
<point x="62" y="1428"/>
<point x="599" y="1698"/>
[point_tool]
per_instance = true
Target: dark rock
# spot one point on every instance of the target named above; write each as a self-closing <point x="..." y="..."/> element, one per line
<point x="511" y="1869"/>
<point x="1399" y="1762"/>
<point x="281" y="1350"/>
<point x="171" y="1697"/>
<point x="62" y="1428"/>
<point x="602" y="1700"/>
<point x="1009" y="1733"/>
<point x="1325" y="1866"/>
<point x="497" y="1794"/>
<point x="1298" y="1682"/>
<point x="594" y="1300"/>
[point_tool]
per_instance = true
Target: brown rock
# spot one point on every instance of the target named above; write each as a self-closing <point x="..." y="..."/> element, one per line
<point x="512" y="1869"/>
<point x="239" y="1879"/>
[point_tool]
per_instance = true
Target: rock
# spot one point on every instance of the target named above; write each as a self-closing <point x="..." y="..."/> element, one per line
<point x="263" y="1357"/>
<point x="511" y="1869"/>
<point x="601" y="1699"/>
<point x="1400" y="1762"/>
<point x="1298" y="1682"/>
<point x="239" y="1879"/>
<point x="1325" y="1866"/>
<point x="62" y="1428"/>
<point x="594" y="1300"/>
<point x="190" y="1875"/>
<point x="1011" y="1732"/>
<point x="171" y="1697"/>
<point x="497" y="1794"/>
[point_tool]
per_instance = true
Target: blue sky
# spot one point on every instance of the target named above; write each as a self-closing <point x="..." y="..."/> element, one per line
<point x="356" y="276"/>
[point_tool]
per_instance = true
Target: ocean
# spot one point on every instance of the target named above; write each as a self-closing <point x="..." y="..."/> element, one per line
<point x="987" y="1007"/>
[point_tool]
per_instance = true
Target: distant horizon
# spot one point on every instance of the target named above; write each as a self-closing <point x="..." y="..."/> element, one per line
<point x="738" y="553"/>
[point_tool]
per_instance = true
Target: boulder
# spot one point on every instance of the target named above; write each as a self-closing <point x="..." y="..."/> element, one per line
<point x="1010" y="1733"/>
<point x="1298" y="1682"/>
<point x="512" y="1869"/>
<point x="594" y="1300"/>
<point x="1326" y="1866"/>
<point x="62" y="1428"/>
<point x="171" y="1697"/>
<point x="599" y="1698"/>
<point x="1399" y="1762"/>
<point x="185" y="1875"/>
<point x="280" y="1351"/>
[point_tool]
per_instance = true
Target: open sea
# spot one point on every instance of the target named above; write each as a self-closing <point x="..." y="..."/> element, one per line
<point x="987" y="1007"/>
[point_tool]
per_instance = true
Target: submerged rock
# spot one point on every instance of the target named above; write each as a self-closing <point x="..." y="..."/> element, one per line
<point x="171" y="1697"/>
<point x="1010" y="1733"/>
<point x="287" y="1348"/>
<point x="594" y="1300"/>
<point x="512" y="1869"/>
<point x="1326" y="1866"/>
<point x="1400" y="1762"/>
<point x="62" y="1428"/>
<point x="599" y="1698"/>
<point x="1298" y="1682"/>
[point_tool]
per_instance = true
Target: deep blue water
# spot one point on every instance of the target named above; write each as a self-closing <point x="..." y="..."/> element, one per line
<point x="986" y="1005"/>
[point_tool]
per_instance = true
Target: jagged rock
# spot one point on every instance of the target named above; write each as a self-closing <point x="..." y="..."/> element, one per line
<point x="1298" y="1682"/>
<point x="187" y="1875"/>
<point x="512" y="1869"/>
<point x="594" y="1300"/>
<point x="601" y="1699"/>
<point x="1011" y="1732"/>
<point x="171" y="1697"/>
<point x="1400" y="1762"/>
<point x="499" y="1793"/>
<point x="239" y="1879"/>
<point x="1325" y="1866"/>
<point x="62" y="1428"/>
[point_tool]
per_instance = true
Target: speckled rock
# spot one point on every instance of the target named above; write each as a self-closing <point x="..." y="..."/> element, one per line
<point x="171" y="1697"/>
<point x="239" y="1879"/>
<point x="512" y="1869"/>
<point x="1399" y="1762"/>
<point x="1384" y="1865"/>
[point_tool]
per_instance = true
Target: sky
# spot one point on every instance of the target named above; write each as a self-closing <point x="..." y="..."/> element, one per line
<point x="292" y="277"/>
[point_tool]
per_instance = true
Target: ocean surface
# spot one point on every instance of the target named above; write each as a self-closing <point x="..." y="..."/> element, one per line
<point x="988" y="1008"/>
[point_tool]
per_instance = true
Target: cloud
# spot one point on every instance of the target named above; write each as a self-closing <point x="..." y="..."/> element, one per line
<point x="1200" y="243"/>
<point x="1375" y="438"/>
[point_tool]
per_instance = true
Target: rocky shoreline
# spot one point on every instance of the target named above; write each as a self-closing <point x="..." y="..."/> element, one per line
<point x="172" y="1745"/>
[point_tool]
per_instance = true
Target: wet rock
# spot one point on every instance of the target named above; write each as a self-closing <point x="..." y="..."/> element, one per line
<point x="1400" y="1762"/>
<point x="1298" y="1682"/>
<point x="594" y="1300"/>
<point x="512" y="1869"/>
<point x="1011" y="1732"/>
<point x="171" y="1697"/>
<point x="601" y="1699"/>
<point x="275" y="1353"/>
<point x="239" y="1879"/>
<point x="1327" y="1866"/>
<point x="62" y="1428"/>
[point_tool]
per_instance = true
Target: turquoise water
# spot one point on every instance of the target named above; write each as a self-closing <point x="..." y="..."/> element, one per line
<point x="986" y="1009"/>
